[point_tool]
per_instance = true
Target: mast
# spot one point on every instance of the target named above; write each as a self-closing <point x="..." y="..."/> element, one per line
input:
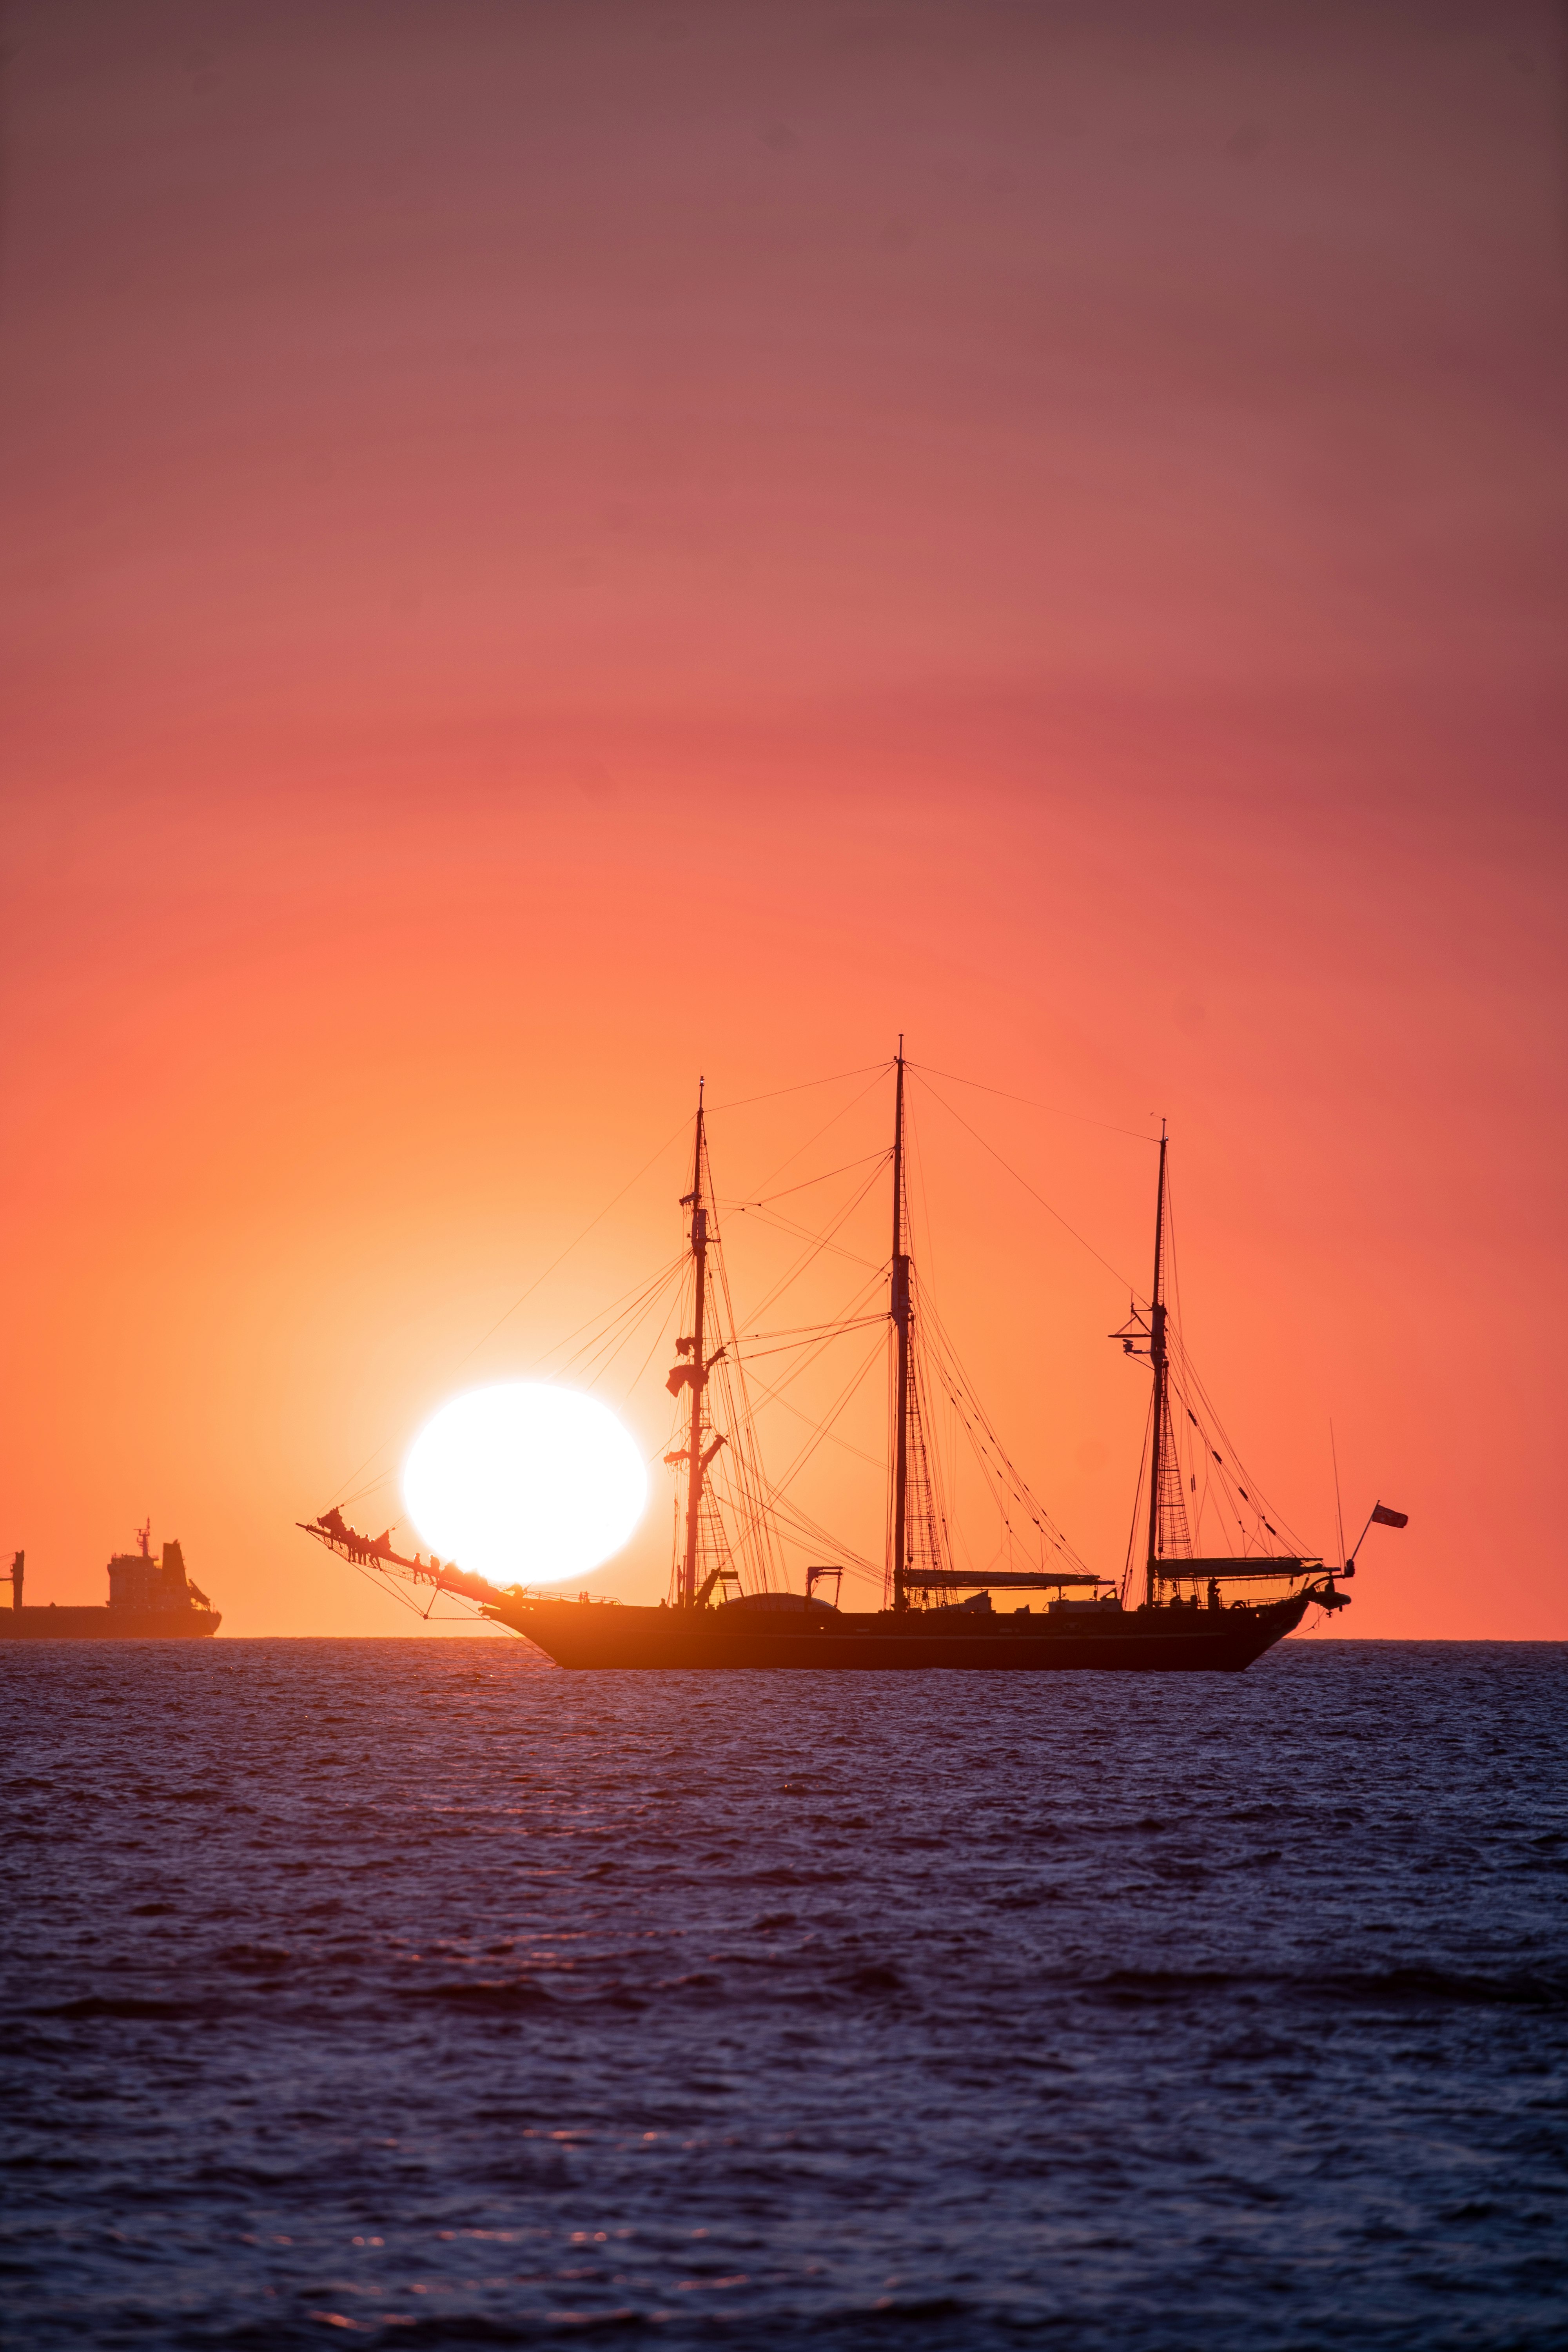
<point x="899" y="1307"/>
<point x="694" y="1462"/>
<point x="1157" y="1358"/>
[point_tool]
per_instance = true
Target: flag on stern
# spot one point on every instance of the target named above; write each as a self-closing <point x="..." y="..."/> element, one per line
<point x="1383" y="1518"/>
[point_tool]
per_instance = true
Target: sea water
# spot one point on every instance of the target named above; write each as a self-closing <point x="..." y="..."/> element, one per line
<point x="422" y="1993"/>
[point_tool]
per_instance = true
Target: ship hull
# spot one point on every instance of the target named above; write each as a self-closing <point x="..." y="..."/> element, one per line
<point x="602" y="1635"/>
<point x="56" y="1625"/>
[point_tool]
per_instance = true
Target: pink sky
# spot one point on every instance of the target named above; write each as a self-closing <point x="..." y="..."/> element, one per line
<point x="554" y="548"/>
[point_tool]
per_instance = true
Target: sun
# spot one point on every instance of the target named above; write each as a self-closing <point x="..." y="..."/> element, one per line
<point x="524" y="1483"/>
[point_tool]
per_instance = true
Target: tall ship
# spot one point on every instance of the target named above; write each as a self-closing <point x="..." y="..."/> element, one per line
<point x="149" y="1600"/>
<point x="1031" y="1605"/>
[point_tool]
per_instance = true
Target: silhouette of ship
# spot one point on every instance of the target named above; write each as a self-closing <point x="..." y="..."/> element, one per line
<point x="149" y="1600"/>
<point x="730" y="1606"/>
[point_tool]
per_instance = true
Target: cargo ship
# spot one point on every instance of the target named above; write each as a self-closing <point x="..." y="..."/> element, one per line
<point x="1176" y="1605"/>
<point x="149" y="1600"/>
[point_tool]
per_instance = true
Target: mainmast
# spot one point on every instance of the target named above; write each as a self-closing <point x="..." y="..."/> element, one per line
<point x="899" y="1307"/>
<point x="695" y="1465"/>
<point x="1157" y="1358"/>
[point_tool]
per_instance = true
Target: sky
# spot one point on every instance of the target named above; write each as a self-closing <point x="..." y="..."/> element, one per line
<point x="552" y="549"/>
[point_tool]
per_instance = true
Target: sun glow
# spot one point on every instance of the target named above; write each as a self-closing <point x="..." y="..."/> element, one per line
<point x="524" y="1483"/>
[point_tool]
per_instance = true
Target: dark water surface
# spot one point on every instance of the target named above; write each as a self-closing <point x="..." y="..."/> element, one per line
<point x="427" y="1994"/>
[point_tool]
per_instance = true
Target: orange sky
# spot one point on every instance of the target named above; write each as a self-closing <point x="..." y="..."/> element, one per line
<point x="554" y="548"/>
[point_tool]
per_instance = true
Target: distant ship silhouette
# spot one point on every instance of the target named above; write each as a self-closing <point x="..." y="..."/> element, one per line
<point x="149" y="1600"/>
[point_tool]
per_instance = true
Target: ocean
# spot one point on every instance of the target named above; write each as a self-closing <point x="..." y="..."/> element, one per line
<point x="424" y="1994"/>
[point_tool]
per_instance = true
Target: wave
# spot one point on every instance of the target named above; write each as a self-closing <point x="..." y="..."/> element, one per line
<point x="1413" y="1986"/>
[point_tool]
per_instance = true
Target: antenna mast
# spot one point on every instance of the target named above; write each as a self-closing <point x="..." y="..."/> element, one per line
<point x="1157" y="1358"/>
<point x="1339" y="1507"/>
<point x="695" y="1465"/>
<point x="900" y="1306"/>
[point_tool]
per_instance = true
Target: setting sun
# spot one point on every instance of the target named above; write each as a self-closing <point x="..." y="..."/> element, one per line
<point x="525" y="1483"/>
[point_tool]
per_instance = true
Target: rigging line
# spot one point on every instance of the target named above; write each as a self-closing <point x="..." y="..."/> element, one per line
<point x="750" y="1471"/>
<point x="571" y="1245"/>
<point x="625" y="1315"/>
<point x="1004" y="1473"/>
<point x="915" y="1161"/>
<point x="854" y="1312"/>
<point x="533" y="1285"/>
<point x="602" y="1327"/>
<point x="810" y="1538"/>
<point x="1011" y="1484"/>
<point x="809" y="1448"/>
<point x="359" y="1492"/>
<point x="610" y="1333"/>
<point x="385" y="1584"/>
<point x="804" y="1086"/>
<point x="1227" y="1475"/>
<point x="659" y="1335"/>
<point x="951" y="1367"/>
<point x="811" y="1353"/>
<point x="1028" y="1188"/>
<point x="822" y="1331"/>
<point x="744" y="1456"/>
<point x="776" y="1394"/>
<point x="819" y="1243"/>
<point x="972" y="1415"/>
<point x="805" y="1187"/>
<point x="881" y="1071"/>
<point x="1172" y="1255"/>
<point x="582" y="1237"/>
<point x="1263" y="1513"/>
<point x="809" y="1330"/>
<point x="801" y="1414"/>
<point x="607" y="1317"/>
<point x="1188" y="1377"/>
<point x="816" y="1245"/>
<point x="775" y="1501"/>
<point x="812" y="1532"/>
<point x="1263" y="1510"/>
<point x="1127" y="1572"/>
<point x="1051" y="1110"/>
<point x="375" y="1453"/>
<point x="788" y="1226"/>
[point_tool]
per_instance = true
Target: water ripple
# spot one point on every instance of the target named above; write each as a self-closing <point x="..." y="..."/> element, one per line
<point x="412" y="1994"/>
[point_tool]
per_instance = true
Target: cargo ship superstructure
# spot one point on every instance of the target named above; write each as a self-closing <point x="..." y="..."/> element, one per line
<point x="149" y="1600"/>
